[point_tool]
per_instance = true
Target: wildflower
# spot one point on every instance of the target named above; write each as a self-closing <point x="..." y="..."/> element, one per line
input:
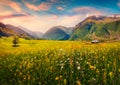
<point x="65" y="81"/>
<point x="97" y="71"/>
<point x="92" y="67"/>
<point x="111" y="74"/>
<point x="57" y="78"/>
<point x="72" y="72"/>
<point x="68" y="59"/>
<point x="24" y="77"/>
<point x="88" y="63"/>
<point x="78" y="67"/>
<point x="62" y="67"/>
<point x="28" y="77"/>
<point x="93" y="79"/>
<point x="60" y="76"/>
<point x="51" y="68"/>
<point x="71" y="62"/>
<point x="108" y="65"/>
<point x="78" y="82"/>
<point x="81" y="59"/>
<point x="20" y="73"/>
<point x="61" y="49"/>
<point x="17" y="70"/>
<point x="77" y="62"/>
<point x="118" y="70"/>
<point x="61" y="61"/>
<point x="104" y="77"/>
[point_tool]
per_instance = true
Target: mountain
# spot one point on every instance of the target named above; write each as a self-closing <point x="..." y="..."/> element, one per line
<point x="57" y="33"/>
<point x="36" y="35"/>
<point x="4" y="31"/>
<point x="10" y="30"/>
<point x="39" y="35"/>
<point x="68" y="30"/>
<point x="115" y="15"/>
<point x="97" y="27"/>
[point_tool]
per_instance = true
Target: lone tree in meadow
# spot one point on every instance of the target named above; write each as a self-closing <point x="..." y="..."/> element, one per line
<point x="15" y="42"/>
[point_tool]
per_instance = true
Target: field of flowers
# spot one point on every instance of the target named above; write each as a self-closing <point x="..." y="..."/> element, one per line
<point x="41" y="62"/>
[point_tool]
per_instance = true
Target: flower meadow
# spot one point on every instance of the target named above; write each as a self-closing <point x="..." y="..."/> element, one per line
<point x="42" y="62"/>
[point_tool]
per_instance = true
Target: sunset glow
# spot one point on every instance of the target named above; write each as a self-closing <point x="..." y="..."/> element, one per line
<point x="41" y="15"/>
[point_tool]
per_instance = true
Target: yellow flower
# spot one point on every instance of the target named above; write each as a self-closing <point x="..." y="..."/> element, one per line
<point x="111" y="74"/>
<point x="57" y="78"/>
<point x="20" y="73"/>
<point x="118" y="70"/>
<point x="92" y="67"/>
<point x="97" y="71"/>
<point x="78" y="82"/>
<point x="60" y="76"/>
<point x="88" y="63"/>
<point x="65" y="81"/>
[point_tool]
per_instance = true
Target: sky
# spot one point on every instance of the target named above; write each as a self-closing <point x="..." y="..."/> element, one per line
<point x="41" y="15"/>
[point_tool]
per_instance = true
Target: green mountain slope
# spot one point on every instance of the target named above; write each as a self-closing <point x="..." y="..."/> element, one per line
<point x="109" y="30"/>
<point x="56" y="33"/>
<point x="101" y="28"/>
<point x="10" y="30"/>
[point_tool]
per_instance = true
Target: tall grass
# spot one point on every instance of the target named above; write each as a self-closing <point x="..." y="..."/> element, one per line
<point x="59" y="63"/>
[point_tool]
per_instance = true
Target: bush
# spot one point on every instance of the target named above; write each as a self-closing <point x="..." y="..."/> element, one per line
<point x="15" y="42"/>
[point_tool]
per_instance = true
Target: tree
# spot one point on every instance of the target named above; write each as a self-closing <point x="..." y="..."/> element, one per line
<point x="15" y="41"/>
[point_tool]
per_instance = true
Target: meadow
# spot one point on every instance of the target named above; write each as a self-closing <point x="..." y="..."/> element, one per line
<point x="46" y="62"/>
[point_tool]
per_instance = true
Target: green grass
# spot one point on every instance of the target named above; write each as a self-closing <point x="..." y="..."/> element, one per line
<point x="41" y="62"/>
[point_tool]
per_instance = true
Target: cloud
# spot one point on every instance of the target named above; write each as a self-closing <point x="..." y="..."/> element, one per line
<point x="53" y="1"/>
<point x="10" y="15"/>
<point x="118" y="3"/>
<point x="5" y="13"/>
<point x="70" y="21"/>
<point x="60" y="8"/>
<point x="43" y="22"/>
<point x="88" y="11"/>
<point x="44" y="6"/>
<point x="11" y="4"/>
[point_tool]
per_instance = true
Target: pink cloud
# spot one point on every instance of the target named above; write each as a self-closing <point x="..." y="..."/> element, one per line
<point x="15" y="6"/>
<point x="53" y="1"/>
<point x="60" y="8"/>
<point x="88" y="11"/>
<point x="12" y="16"/>
<point x="5" y="13"/>
<point x="31" y="6"/>
<point x="44" y="6"/>
<point x="11" y="4"/>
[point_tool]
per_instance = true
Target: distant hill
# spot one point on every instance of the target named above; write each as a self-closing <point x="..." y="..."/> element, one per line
<point x="92" y="28"/>
<point x="68" y="30"/>
<point x="10" y="30"/>
<point x="57" y="33"/>
<point x="36" y="35"/>
<point x="97" y="27"/>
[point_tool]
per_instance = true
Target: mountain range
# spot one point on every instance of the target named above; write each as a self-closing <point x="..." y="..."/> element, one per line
<point x="97" y="27"/>
<point x="92" y="28"/>
<point x="35" y="34"/>
<point x="58" y="33"/>
<point x="10" y="30"/>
